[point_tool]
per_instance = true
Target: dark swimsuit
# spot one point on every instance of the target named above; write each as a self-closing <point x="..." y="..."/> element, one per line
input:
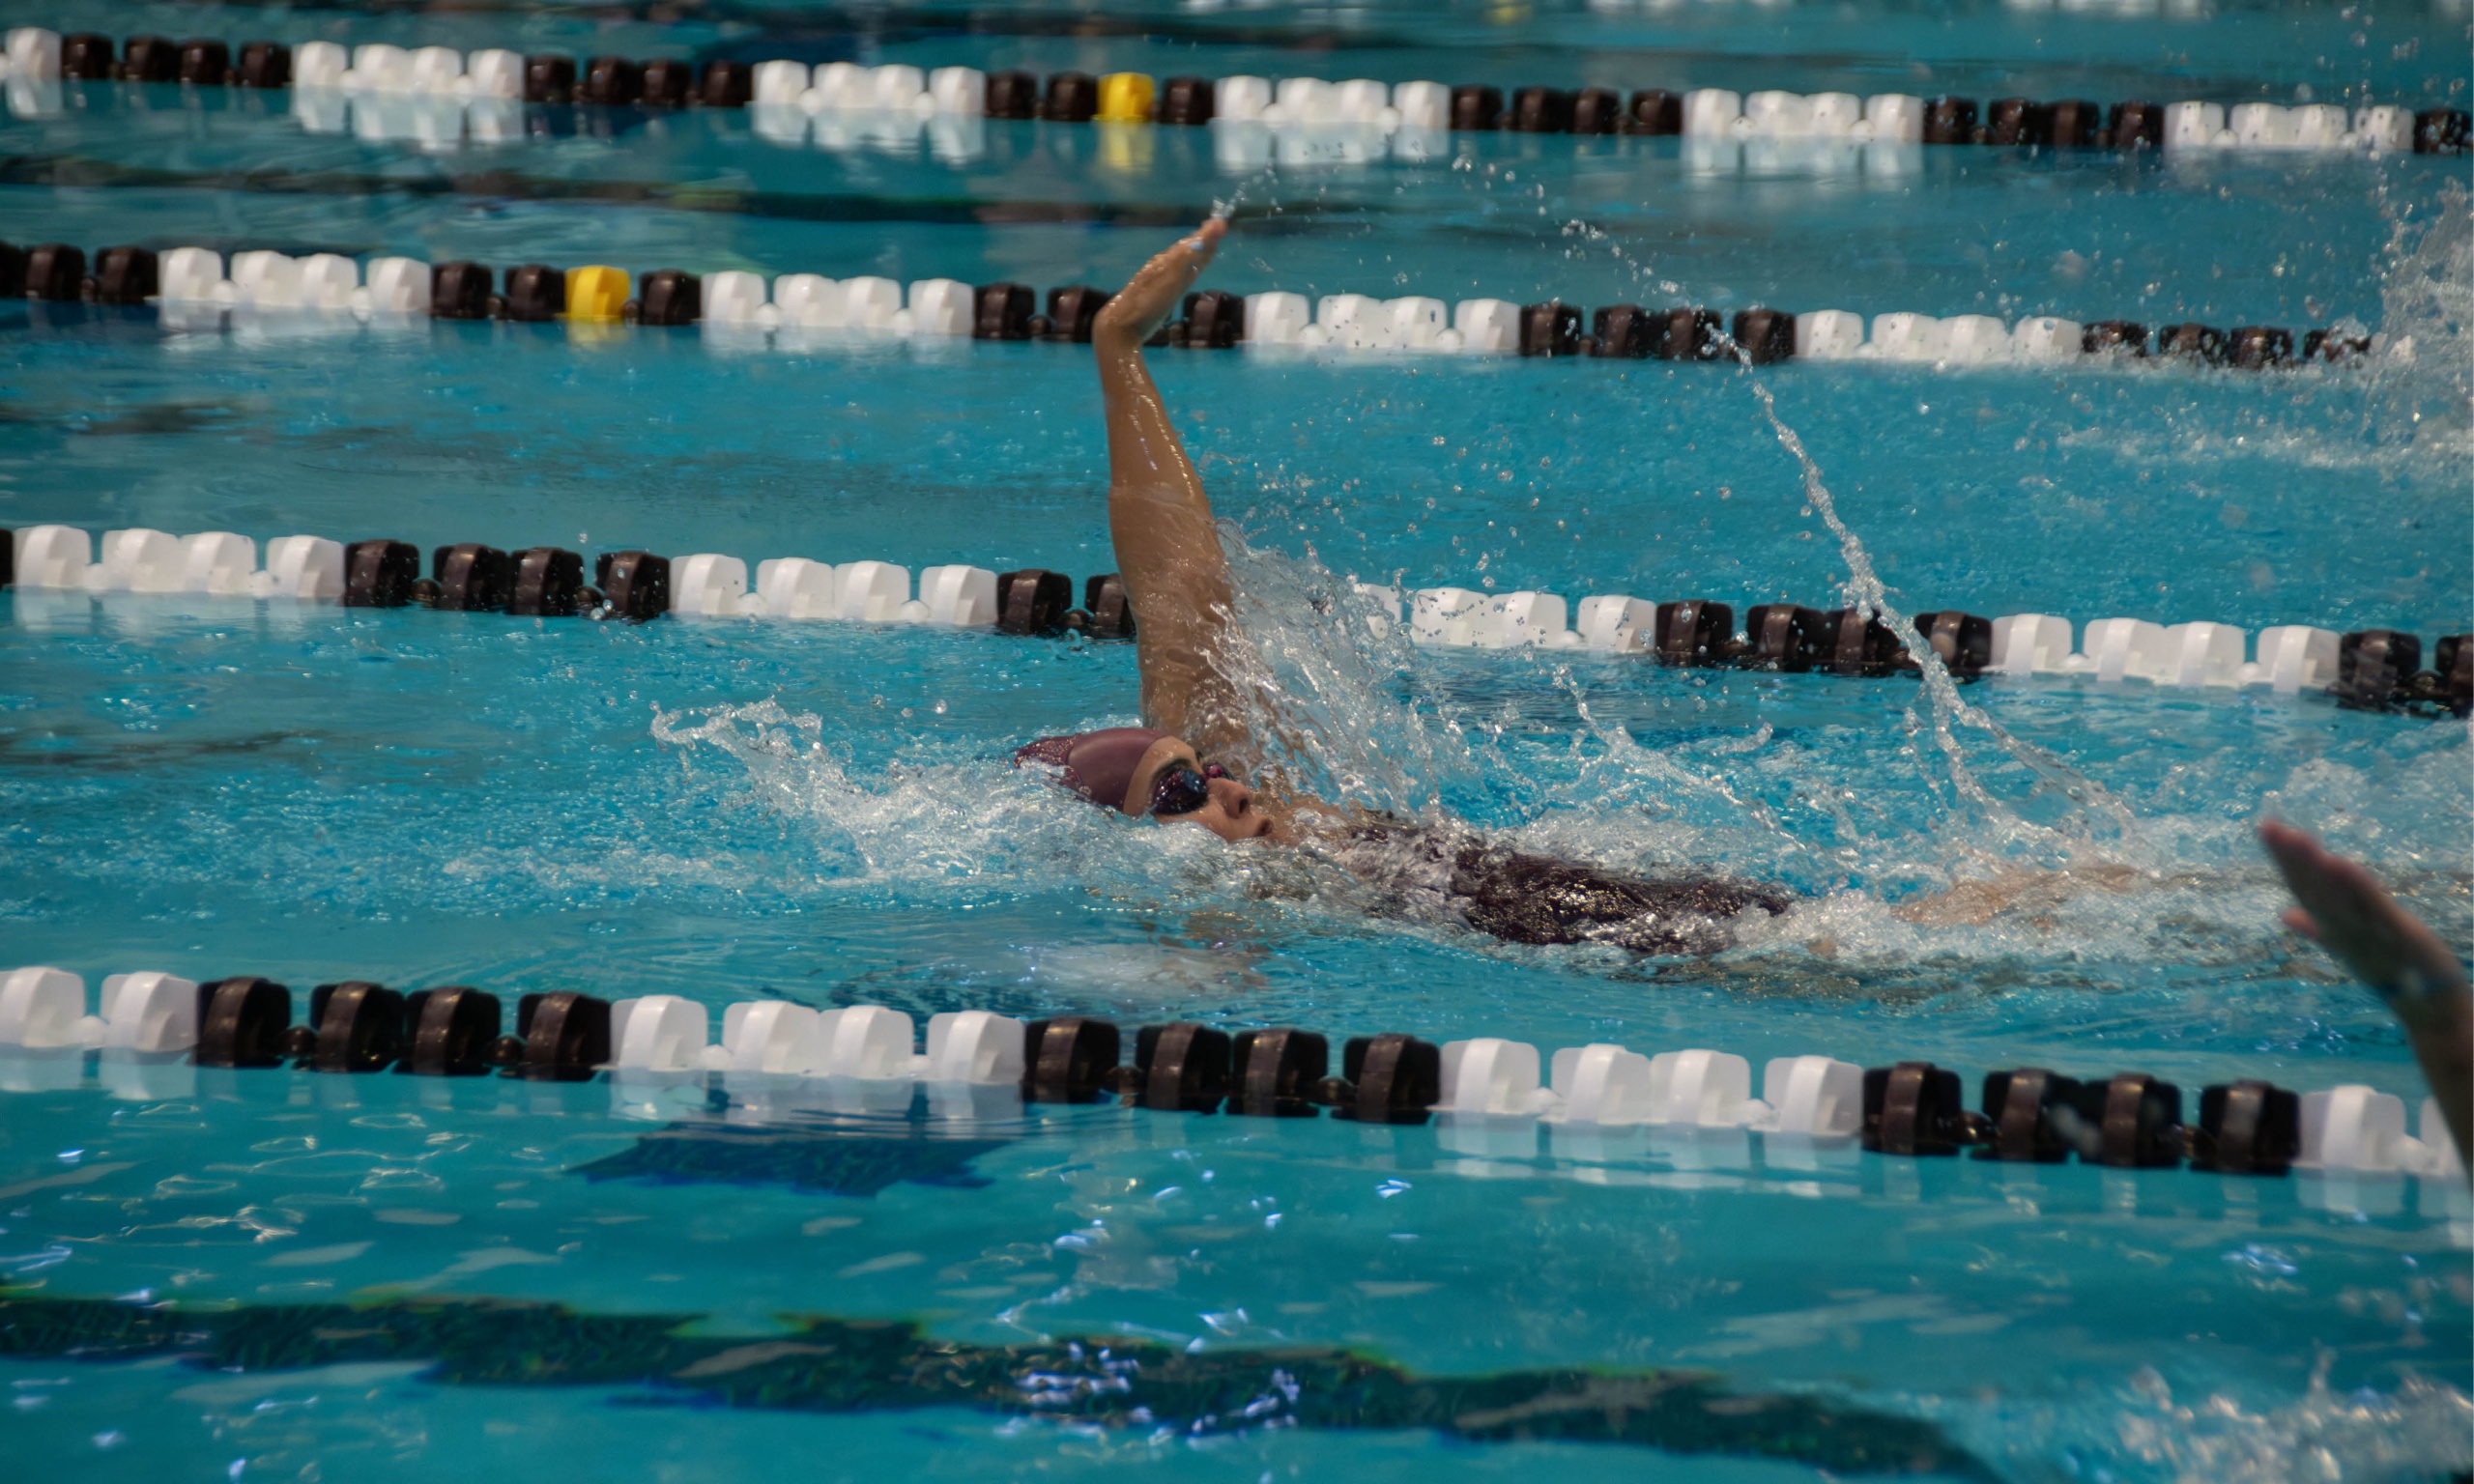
<point x="1530" y="899"/>
<point x="1535" y="899"/>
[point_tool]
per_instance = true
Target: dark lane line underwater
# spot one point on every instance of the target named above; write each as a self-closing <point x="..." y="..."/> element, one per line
<point x="823" y="1364"/>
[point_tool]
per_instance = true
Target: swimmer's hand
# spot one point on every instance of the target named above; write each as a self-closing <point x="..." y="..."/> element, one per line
<point x="2345" y="911"/>
<point x="1128" y="320"/>
<point x="2345" y="907"/>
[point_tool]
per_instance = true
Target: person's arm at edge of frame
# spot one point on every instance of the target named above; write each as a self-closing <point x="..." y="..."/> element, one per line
<point x="2345" y="911"/>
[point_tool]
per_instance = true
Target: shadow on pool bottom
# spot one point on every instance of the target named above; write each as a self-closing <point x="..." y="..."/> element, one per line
<point x="834" y="1365"/>
<point x="814" y="1163"/>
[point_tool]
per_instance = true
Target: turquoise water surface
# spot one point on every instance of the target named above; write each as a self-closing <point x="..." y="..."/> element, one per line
<point x="733" y="810"/>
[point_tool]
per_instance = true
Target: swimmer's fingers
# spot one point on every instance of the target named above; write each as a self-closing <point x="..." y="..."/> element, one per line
<point x="2345" y="911"/>
<point x="2340" y="896"/>
<point x="1153" y="293"/>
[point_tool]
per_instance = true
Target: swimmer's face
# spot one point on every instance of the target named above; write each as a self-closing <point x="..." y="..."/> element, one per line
<point x="1227" y="808"/>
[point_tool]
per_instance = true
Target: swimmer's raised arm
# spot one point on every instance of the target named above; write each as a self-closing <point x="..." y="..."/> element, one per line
<point x="1167" y="549"/>
<point x="2347" y="912"/>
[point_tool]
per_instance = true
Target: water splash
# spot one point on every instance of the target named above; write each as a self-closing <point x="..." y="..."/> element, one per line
<point x="1864" y="591"/>
<point x="957" y="824"/>
<point x="1988" y="834"/>
<point x="1330" y="687"/>
<point x="2416" y="1433"/>
<point x="1348" y="711"/>
<point x="923" y="820"/>
<point x="2423" y="372"/>
<point x="949" y="823"/>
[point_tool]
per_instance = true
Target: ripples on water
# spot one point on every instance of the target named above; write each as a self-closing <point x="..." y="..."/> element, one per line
<point x="781" y="824"/>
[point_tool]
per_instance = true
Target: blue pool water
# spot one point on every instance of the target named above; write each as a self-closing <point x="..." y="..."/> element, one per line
<point x="737" y="809"/>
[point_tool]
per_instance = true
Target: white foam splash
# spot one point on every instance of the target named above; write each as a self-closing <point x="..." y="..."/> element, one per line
<point x="2416" y="1433"/>
<point x="958" y="824"/>
<point x="2422" y="374"/>
<point x="1330" y="691"/>
<point x="920" y="821"/>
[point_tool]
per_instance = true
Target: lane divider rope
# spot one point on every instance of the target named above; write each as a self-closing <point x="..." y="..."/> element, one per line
<point x="192" y="293"/>
<point x="2371" y="669"/>
<point x="2374" y="669"/>
<point x="152" y="1030"/>
<point x="1415" y="115"/>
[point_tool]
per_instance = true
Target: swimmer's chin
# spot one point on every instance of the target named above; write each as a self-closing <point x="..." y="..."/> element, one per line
<point x="1266" y="832"/>
<point x="1258" y="829"/>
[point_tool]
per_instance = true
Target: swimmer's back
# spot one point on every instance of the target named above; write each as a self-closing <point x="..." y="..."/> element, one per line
<point x="1533" y="899"/>
<point x="1523" y="898"/>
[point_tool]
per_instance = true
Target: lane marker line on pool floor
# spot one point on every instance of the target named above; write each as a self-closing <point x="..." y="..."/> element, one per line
<point x="1145" y="1390"/>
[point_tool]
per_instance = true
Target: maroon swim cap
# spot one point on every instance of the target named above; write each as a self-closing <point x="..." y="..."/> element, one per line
<point x="1098" y="765"/>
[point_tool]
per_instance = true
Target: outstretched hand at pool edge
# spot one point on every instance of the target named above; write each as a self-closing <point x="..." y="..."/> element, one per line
<point x="2346" y="911"/>
<point x="1151" y="294"/>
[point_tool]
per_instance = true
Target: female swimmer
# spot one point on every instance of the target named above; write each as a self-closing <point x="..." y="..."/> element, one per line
<point x="1183" y="765"/>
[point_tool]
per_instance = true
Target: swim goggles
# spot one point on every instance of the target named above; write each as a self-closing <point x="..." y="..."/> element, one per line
<point x="1182" y="788"/>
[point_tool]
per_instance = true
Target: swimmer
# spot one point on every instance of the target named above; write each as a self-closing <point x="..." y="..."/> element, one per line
<point x="2346" y="911"/>
<point x="1189" y="762"/>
